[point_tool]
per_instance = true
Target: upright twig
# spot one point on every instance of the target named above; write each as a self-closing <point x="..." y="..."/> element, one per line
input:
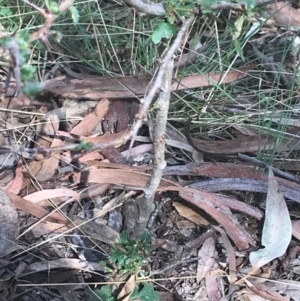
<point x="163" y="81"/>
<point x="49" y="17"/>
<point x="158" y="82"/>
<point x="145" y="203"/>
<point x="42" y="34"/>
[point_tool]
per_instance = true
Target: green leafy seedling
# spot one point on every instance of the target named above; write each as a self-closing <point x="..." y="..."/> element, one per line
<point x="84" y="145"/>
<point x="147" y="293"/>
<point x="104" y="293"/>
<point x="52" y="7"/>
<point x="5" y="11"/>
<point x="32" y="88"/>
<point x="27" y="72"/>
<point x="129" y="255"/>
<point x="163" y="30"/>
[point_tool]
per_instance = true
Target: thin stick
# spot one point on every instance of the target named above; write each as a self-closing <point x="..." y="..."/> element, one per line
<point x="158" y="82"/>
<point x="145" y="204"/>
<point x="276" y="171"/>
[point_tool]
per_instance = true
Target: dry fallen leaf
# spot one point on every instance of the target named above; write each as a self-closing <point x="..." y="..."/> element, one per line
<point x="230" y="255"/>
<point x="38" y="196"/>
<point x="35" y="209"/>
<point x="207" y="260"/>
<point x="277" y="230"/>
<point x="50" y="165"/>
<point x="30" y="171"/>
<point x="16" y="184"/>
<point x="212" y="285"/>
<point x="245" y="130"/>
<point x="265" y="292"/>
<point x="130" y="86"/>
<point x="90" y="121"/>
<point x="49" y="123"/>
<point x="283" y="14"/>
<point x="190" y="214"/>
<point x="116" y="176"/>
<point x="127" y="290"/>
<point x="215" y="206"/>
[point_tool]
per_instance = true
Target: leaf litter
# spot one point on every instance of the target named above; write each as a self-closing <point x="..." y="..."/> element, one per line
<point x="79" y="171"/>
<point x="217" y="209"/>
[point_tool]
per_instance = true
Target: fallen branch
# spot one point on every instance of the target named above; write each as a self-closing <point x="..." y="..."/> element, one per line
<point x="229" y="184"/>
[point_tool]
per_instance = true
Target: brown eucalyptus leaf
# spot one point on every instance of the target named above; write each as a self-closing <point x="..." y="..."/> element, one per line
<point x="91" y="120"/>
<point x="284" y="15"/>
<point x="127" y="290"/>
<point x="207" y="261"/>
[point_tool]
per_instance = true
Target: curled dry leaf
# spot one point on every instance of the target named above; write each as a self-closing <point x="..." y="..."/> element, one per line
<point x="16" y="184"/>
<point x="213" y="205"/>
<point x="38" y="196"/>
<point x="277" y="230"/>
<point x="190" y="214"/>
<point x="105" y="164"/>
<point x="194" y="81"/>
<point x="229" y="184"/>
<point x="230" y="254"/>
<point x="241" y="174"/>
<point x="245" y="144"/>
<point x="35" y="209"/>
<point x="127" y="290"/>
<point x="91" y="120"/>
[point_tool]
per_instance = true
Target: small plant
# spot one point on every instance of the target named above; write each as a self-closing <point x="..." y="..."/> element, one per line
<point x="129" y="255"/>
<point x="147" y="293"/>
<point x="181" y="9"/>
<point x="129" y="258"/>
<point x="17" y="48"/>
<point x="84" y="145"/>
<point x="104" y="294"/>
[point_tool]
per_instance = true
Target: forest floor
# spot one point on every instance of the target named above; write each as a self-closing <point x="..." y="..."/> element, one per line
<point x="78" y="160"/>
